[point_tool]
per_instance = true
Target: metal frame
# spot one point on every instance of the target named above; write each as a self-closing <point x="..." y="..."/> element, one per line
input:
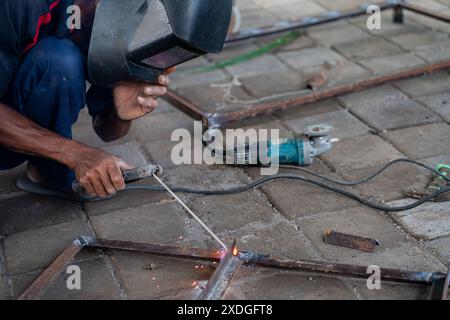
<point x="228" y="267"/>
<point x="218" y="120"/>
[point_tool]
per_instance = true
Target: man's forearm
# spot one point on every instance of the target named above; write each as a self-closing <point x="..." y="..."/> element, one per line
<point x="22" y="135"/>
<point x="110" y="127"/>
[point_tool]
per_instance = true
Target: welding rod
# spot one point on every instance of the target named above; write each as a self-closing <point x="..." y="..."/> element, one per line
<point x="222" y="244"/>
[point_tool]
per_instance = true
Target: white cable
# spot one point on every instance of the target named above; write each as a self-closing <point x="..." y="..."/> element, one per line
<point x="222" y="244"/>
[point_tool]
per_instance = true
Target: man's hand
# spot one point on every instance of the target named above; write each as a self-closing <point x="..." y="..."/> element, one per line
<point x="99" y="172"/>
<point x="133" y="101"/>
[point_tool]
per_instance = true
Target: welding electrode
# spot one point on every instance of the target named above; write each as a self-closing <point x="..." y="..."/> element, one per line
<point x="222" y="244"/>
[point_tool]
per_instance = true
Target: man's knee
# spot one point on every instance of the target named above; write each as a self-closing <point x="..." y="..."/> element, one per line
<point x="50" y="86"/>
<point x="60" y="60"/>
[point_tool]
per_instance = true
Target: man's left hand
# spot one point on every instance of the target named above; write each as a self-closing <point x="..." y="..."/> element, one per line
<point x="135" y="100"/>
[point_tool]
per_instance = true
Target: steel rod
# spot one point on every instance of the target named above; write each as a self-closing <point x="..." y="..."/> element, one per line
<point x="47" y="277"/>
<point x="219" y="120"/>
<point x="51" y="273"/>
<point x="306" y="22"/>
<point x="224" y="274"/>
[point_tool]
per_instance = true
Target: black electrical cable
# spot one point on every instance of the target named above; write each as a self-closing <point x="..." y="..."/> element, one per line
<point x="314" y="182"/>
<point x="368" y="178"/>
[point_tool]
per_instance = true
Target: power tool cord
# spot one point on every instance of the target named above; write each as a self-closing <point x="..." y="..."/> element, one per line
<point x="368" y="178"/>
<point x="314" y="182"/>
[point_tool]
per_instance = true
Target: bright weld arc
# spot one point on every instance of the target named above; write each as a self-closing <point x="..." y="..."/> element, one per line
<point x="222" y="244"/>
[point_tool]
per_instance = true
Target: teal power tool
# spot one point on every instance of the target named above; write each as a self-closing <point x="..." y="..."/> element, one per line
<point x="300" y="150"/>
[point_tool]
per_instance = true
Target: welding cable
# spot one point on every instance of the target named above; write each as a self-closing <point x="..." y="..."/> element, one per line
<point x="320" y="184"/>
<point x="368" y="178"/>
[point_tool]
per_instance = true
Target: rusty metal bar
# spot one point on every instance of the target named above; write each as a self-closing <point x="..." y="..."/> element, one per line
<point x="185" y="105"/>
<point x="250" y="258"/>
<point x="424" y="11"/>
<point x="223" y="276"/>
<point x="219" y="120"/>
<point x="158" y="249"/>
<point x="350" y="241"/>
<point x="306" y="22"/>
<point x="39" y="285"/>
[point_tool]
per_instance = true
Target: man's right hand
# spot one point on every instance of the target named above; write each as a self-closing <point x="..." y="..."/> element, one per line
<point x="99" y="172"/>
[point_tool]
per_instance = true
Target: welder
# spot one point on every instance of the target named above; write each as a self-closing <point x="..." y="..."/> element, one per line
<point x="46" y="62"/>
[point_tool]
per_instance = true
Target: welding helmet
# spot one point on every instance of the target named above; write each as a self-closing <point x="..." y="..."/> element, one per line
<point x="136" y="40"/>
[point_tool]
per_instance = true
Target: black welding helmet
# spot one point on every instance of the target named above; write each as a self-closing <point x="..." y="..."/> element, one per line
<point x="136" y="40"/>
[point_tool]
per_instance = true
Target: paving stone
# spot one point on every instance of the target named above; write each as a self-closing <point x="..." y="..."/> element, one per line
<point x="433" y="162"/>
<point x="390" y="291"/>
<point x="233" y="50"/>
<point x="277" y="238"/>
<point x="386" y="64"/>
<point x="29" y="211"/>
<point x="421" y="142"/>
<point x="154" y="223"/>
<point x="190" y="78"/>
<point x="370" y="48"/>
<point x="293" y="9"/>
<point x="302" y="42"/>
<point x="286" y="82"/>
<point x="434" y="53"/>
<point x="393" y="184"/>
<point x="361" y="152"/>
<point x="205" y="177"/>
<point x="211" y="99"/>
<point x="439" y="103"/>
<point x="231" y="212"/>
<point x="428" y="222"/>
<point x="310" y="57"/>
<point x="4" y="289"/>
<point x="160" y="126"/>
<point x="294" y="286"/>
<point x="261" y="66"/>
<point x="338" y="35"/>
<point x="394" y="252"/>
<point x="297" y="199"/>
<point x="96" y="284"/>
<point x="309" y="110"/>
<point x="425" y="85"/>
<point x="416" y="40"/>
<point x="344" y="124"/>
<point x="442" y="246"/>
<point x="339" y="73"/>
<point x="150" y="277"/>
<point x="257" y="19"/>
<point x="341" y="5"/>
<point x="8" y="180"/>
<point x="394" y="115"/>
<point x="35" y="249"/>
<point x="372" y="98"/>
<point x="127" y="200"/>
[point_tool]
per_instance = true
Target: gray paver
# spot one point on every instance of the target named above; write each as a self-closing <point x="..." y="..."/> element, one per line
<point x="150" y="277"/>
<point x="155" y="223"/>
<point x="439" y="103"/>
<point x="344" y="124"/>
<point x="361" y="152"/>
<point x="425" y="85"/>
<point x="260" y="66"/>
<point x="421" y="142"/>
<point x="310" y="57"/>
<point x="367" y="48"/>
<point x="428" y="222"/>
<point x="386" y="64"/>
<point x="35" y="249"/>
<point x="29" y="211"/>
<point x="294" y="286"/>
<point x="396" y="114"/>
<point x="395" y="251"/>
<point x="442" y="246"/>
